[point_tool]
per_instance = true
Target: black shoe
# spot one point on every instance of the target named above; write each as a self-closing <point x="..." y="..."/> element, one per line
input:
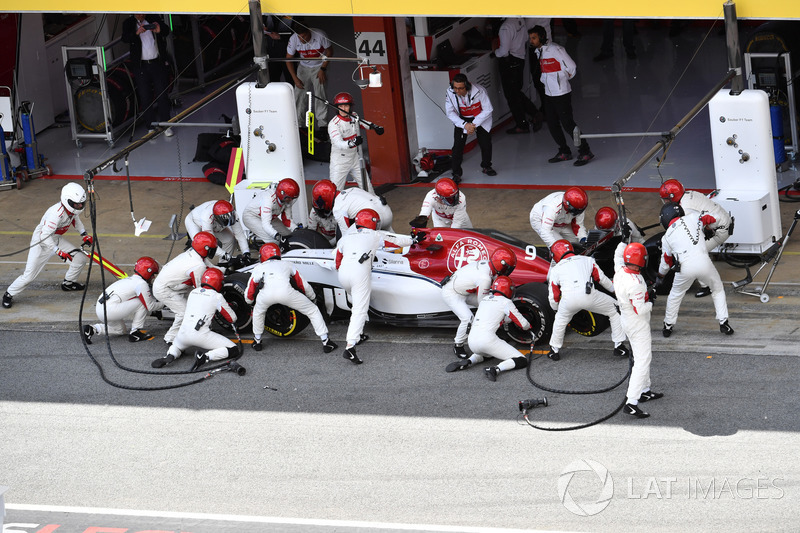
<point x="88" y="331"/>
<point x="622" y="351"/>
<point x="200" y="359"/>
<point x="517" y="129"/>
<point x="458" y="365"/>
<point x="72" y="286"/>
<point x="650" y="395"/>
<point x="457" y="178"/>
<point x="257" y="346"/>
<point x="460" y="351"/>
<point x="553" y="355"/>
<point x="602" y="56"/>
<point x="7" y="300"/>
<point x="538" y="121"/>
<point x="362" y="339"/>
<point x="350" y="355"/>
<point x="704" y="291"/>
<point x="491" y="372"/>
<point x="489" y="171"/>
<point x="559" y="157"/>
<point x="328" y="346"/>
<point x="634" y="410"/>
<point x="726" y="328"/>
<point x="162" y="361"/>
<point x="139" y="335"/>
<point x="583" y="159"/>
<point x="667" y="331"/>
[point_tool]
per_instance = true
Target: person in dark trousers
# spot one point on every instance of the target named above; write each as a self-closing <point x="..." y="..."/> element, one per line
<point x="607" y="48"/>
<point x="510" y="55"/>
<point x="146" y="35"/>
<point x="468" y="107"/>
<point x="557" y="69"/>
<point x="276" y="36"/>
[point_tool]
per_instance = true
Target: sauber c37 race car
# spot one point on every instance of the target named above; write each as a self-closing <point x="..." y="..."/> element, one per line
<point x="406" y="285"/>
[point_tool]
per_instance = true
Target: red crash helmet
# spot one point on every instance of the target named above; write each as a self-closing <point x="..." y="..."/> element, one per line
<point x="503" y="261"/>
<point x="635" y="254"/>
<point x="447" y="190"/>
<point x="605" y="218"/>
<point x="269" y="251"/>
<point x="146" y="268"/>
<point x="575" y="201"/>
<point x="368" y="218"/>
<point x="671" y="190"/>
<point x="205" y="244"/>
<point x="560" y="248"/>
<point x="287" y="191"/>
<point x="223" y="213"/>
<point x="212" y="278"/>
<point x="503" y="285"/>
<point x="322" y="196"/>
<point x="343" y="98"/>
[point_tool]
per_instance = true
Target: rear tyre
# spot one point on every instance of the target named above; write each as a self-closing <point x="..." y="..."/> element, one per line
<point x="307" y="239"/>
<point x="589" y="324"/>
<point x="531" y="301"/>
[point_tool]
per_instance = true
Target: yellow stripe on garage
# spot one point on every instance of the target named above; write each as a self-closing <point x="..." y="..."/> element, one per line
<point x="702" y="9"/>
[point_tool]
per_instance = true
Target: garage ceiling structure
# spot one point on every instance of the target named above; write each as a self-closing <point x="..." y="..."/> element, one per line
<point x="694" y="9"/>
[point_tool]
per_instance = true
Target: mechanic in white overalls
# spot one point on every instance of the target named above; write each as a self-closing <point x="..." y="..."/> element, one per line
<point x="559" y="215"/>
<point x="685" y="251"/>
<point x="181" y="275"/>
<point x="445" y="205"/>
<point x="716" y="233"/>
<point x="269" y="216"/>
<point x="278" y="282"/>
<point x="203" y="303"/>
<point x="606" y="219"/>
<point x="495" y="309"/>
<point x="343" y="131"/>
<point x="571" y="288"/>
<point x="218" y="218"/>
<point x="354" y="254"/>
<point x="320" y="218"/>
<point x="635" y="304"/>
<point x="350" y="202"/>
<point x="47" y="240"/>
<point x="127" y="298"/>
<point x="468" y="285"/>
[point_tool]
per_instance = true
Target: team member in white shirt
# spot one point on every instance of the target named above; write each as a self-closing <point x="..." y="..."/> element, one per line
<point x="350" y="202"/>
<point x="310" y="73"/>
<point x="469" y="108"/>
<point x="269" y="216"/>
<point x="320" y="218"/>
<point x="343" y="131"/>
<point x="559" y="215"/>
<point x="218" y="218"/>
<point x="445" y="205"/>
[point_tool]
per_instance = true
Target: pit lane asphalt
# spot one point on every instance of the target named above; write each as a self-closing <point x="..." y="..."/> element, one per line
<point x="397" y="440"/>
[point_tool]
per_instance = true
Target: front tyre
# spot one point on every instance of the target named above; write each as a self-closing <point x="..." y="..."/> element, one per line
<point x="531" y="301"/>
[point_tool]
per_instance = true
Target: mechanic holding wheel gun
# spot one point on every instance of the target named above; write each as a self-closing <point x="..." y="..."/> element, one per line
<point x="468" y="285"/>
<point x="354" y="254"/>
<point x="219" y="219"/>
<point x="635" y="304"/>
<point x="495" y="309"/>
<point x="203" y="303"/>
<point x="278" y="282"/>
<point x="346" y="154"/>
<point x="446" y="205"/>
<point x="560" y="216"/>
<point x="270" y="216"/>
<point x="48" y="239"/>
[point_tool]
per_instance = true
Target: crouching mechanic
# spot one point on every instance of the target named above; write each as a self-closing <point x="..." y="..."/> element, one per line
<point x="270" y="216"/>
<point x="219" y="219"/>
<point x="320" y="219"/>
<point x="124" y="299"/>
<point x="716" y="232"/>
<point x="47" y="239"/>
<point x="354" y="254"/>
<point x="181" y="275"/>
<point x="495" y="309"/>
<point x="560" y="216"/>
<point x="571" y="288"/>
<point x="685" y="252"/>
<point x="345" y="145"/>
<point x="350" y="202"/>
<point x="635" y="306"/>
<point x="278" y="282"/>
<point x="203" y="303"/>
<point x="468" y="285"/>
<point x="446" y="205"/>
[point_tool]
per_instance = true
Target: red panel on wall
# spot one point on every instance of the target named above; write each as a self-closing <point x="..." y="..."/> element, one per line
<point x="8" y="42"/>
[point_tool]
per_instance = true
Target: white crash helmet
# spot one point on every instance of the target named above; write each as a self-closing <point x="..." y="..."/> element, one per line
<point x="73" y="198"/>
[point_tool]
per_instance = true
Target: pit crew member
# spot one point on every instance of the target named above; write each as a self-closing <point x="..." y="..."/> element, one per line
<point x="445" y="205"/>
<point x="350" y="202"/>
<point x="559" y="215"/>
<point x="343" y="132"/>
<point x="320" y="218"/>
<point x="219" y="219"/>
<point x="269" y="217"/>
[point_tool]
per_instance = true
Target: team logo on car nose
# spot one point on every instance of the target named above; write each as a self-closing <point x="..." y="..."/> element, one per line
<point x="466" y="250"/>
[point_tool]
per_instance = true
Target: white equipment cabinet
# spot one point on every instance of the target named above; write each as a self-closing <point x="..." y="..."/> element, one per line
<point x="744" y="166"/>
<point x="270" y="144"/>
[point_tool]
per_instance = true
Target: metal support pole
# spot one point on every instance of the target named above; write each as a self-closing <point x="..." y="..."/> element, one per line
<point x="257" y="31"/>
<point x="732" y="43"/>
